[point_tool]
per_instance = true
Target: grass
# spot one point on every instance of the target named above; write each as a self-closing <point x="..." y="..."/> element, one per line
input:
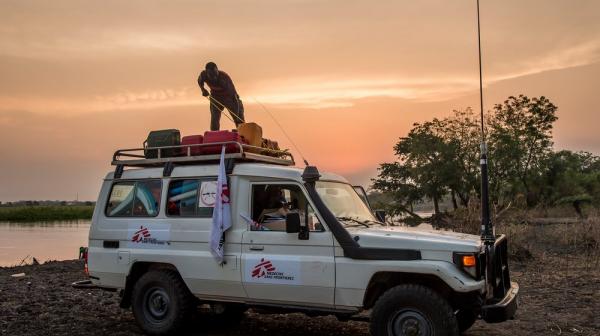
<point x="529" y="238"/>
<point x="45" y="213"/>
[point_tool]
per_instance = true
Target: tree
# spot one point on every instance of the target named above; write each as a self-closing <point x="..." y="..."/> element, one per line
<point x="519" y="139"/>
<point x="462" y="133"/>
<point x="570" y="178"/>
<point x="399" y="192"/>
<point x="441" y="156"/>
<point x="423" y="168"/>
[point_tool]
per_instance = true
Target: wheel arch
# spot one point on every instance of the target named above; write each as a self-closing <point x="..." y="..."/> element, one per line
<point x="380" y="282"/>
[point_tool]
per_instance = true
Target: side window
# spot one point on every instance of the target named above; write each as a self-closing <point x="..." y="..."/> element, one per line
<point x="134" y="199"/>
<point x="191" y="198"/>
<point x="272" y="202"/>
<point x="120" y="203"/>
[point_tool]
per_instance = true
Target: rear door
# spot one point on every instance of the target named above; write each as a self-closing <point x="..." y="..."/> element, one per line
<point x="125" y="215"/>
<point x="278" y="267"/>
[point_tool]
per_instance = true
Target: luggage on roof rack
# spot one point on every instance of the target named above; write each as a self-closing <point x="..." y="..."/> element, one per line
<point x="189" y="154"/>
<point x="211" y="137"/>
<point x="192" y="140"/>
<point x="252" y="132"/>
<point x="161" y="138"/>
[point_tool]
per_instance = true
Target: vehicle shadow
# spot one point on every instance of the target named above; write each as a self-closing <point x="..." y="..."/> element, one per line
<point x="275" y="324"/>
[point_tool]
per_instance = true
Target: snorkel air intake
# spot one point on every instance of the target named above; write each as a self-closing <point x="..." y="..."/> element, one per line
<point x="311" y="174"/>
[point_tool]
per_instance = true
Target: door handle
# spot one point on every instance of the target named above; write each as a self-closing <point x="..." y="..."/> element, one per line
<point x="112" y="244"/>
<point x="257" y="248"/>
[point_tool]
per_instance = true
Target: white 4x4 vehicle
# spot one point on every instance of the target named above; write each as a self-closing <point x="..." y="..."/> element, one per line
<point x="300" y="241"/>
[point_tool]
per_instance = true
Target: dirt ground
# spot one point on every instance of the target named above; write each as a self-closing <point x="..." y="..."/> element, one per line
<point x="560" y="295"/>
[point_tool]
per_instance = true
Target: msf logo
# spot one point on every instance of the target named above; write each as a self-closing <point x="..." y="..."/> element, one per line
<point x="261" y="269"/>
<point x="225" y="194"/>
<point x="140" y="234"/>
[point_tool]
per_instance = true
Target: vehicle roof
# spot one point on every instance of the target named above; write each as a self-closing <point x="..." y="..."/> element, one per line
<point x="240" y="169"/>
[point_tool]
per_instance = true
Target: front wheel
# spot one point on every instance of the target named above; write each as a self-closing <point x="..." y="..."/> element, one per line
<point x="465" y="318"/>
<point x="161" y="302"/>
<point x="412" y="310"/>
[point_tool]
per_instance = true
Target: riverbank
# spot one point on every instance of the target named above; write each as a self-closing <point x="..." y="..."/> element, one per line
<point x="558" y="277"/>
<point x="45" y="213"/>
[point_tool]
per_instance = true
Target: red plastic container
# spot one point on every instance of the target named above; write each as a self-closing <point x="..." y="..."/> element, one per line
<point x="222" y="136"/>
<point x="192" y="140"/>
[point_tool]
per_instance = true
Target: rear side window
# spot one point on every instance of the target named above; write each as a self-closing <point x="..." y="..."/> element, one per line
<point x="191" y="198"/>
<point x="134" y="199"/>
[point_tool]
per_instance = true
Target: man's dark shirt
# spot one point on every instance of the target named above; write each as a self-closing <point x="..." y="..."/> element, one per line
<point x="222" y="87"/>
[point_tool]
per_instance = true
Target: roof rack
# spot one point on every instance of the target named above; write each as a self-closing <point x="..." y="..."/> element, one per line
<point x="161" y="156"/>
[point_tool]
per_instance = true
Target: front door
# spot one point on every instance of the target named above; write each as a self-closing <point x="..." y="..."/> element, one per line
<point x="278" y="267"/>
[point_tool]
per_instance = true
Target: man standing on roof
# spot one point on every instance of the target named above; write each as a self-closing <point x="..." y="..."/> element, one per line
<point x="222" y="95"/>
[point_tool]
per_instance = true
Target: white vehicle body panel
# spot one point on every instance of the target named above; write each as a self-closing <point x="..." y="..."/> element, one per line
<point x="353" y="276"/>
<point x="307" y="273"/>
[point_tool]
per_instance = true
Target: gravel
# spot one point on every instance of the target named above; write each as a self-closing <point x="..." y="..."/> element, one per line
<point x="560" y="295"/>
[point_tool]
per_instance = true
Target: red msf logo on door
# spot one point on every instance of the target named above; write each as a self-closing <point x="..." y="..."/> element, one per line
<point x="261" y="269"/>
<point x="225" y="194"/>
<point x="140" y="234"/>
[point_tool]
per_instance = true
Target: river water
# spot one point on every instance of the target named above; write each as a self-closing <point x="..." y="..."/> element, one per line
<point x="44" y="241"/>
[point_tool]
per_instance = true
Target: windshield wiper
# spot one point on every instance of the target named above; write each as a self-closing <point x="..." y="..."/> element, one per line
<point x="353" y="220"/>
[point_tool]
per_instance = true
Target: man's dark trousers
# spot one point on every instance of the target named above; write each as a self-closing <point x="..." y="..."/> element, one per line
<point x="233" y="104"/>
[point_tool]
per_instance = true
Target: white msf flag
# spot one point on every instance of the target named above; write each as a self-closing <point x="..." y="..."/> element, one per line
<point x="221" y="220"/>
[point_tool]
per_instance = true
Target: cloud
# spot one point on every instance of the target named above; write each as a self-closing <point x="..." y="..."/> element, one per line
<point x="322" y="93"/>
<point x="100" y="44"/>
<point x="125" y="58"/>
<point x="568" y="57"/>
<point x="316" y="92"/>
<point x="311" y="92"/>
<point x="117" y="43"/>
<point x="121" y="101"/>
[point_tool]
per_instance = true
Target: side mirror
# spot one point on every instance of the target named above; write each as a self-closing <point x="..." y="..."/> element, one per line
<point x="380" y="214"/>
<point x="303" y="234"/>
<point x="292" y="222"/>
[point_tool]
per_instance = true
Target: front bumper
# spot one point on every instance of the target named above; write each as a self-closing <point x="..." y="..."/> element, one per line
<point x="504" y="309"/>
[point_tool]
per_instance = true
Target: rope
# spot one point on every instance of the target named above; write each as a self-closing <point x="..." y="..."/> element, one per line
<point x="214" y="101"/>
<point x="282" y="129"/>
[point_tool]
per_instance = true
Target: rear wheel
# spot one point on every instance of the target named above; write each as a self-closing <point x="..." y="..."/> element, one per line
<point x="412" y="310"/>
<point x="161" y="302"/>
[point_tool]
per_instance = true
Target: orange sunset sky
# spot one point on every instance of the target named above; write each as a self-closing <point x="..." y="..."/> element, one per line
<point x="79" y="79"/>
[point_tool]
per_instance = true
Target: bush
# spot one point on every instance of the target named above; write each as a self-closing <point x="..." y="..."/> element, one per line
<point x="45" y="213"/>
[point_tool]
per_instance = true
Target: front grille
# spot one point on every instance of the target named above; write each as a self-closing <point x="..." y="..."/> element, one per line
<point x="499" y="276"/>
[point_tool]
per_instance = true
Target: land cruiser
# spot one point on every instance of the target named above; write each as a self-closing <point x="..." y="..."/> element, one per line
<point x="301" y="241"/>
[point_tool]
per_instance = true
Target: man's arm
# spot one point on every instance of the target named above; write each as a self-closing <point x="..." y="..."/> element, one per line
<point x="201" y="80"/>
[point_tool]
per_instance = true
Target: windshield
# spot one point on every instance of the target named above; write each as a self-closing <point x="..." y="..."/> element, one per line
<point x="343" y="201"/>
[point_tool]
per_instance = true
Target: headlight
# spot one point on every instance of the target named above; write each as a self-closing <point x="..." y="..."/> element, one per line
<point x="469" y="262"/>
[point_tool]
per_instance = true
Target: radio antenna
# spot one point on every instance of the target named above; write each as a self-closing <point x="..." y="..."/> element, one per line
<point x="282" y="129"/>
<point x="487" y="228"/>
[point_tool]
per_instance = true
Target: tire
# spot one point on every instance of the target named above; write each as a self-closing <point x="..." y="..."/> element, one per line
<point x="161" y="302"/>
<point x="465" y="319"/>
<point x="407" y="310"/>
